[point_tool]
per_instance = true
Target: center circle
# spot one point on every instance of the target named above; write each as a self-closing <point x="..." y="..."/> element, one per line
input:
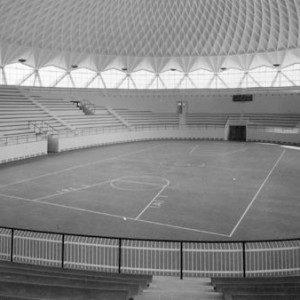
<point x="139" y="183"/>
<point x="181" y="164"/>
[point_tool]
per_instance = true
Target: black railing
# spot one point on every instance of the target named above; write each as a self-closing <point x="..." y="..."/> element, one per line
<point x="147" y="256"/>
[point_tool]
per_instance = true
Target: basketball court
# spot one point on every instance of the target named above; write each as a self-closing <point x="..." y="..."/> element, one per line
<point x="186" y="190"/>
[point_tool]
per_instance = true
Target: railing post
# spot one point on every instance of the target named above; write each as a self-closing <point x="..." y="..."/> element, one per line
<point x="12" y="245"/>
<point x="63" y="251"/>
<point x="244" y="259"/>
<point x="120" y="255"/>
<point x="181" y="260"/>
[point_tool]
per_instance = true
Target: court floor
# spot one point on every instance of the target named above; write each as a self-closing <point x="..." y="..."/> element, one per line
<point x="186" y="190"/>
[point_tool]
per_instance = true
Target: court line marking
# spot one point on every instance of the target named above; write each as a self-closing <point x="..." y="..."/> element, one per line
<point x="72" y="191"/>
<point x="180" y="227"/>
<point x="156" y="196"/>
<point x="114" y="216"/>
<point x="15" y="197"/>
<point x="138" y="182"/>
<point x="290" y="147"/>
<point x="64" y="206"/>
<point x="221" y="154"/>
<point x="139" y="160"/>
<point x="257" y="193"/>
<point x="234" y="151"/>
<point x="194" y="148"/>
<point x="233" y="169"/>
<point x="79" y="166"/>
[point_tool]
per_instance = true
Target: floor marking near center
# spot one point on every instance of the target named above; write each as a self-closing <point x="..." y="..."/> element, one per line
<point x="79" y="166"/>
<point x="257" y="193"/>
<point x="72" y="191"/>
<point x="156" y="196"/>
<point x="194" y="148"/>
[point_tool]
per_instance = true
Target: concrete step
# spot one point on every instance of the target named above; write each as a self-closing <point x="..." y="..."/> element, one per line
<point x="31" y="290"/>
<point x="5" y="297"/>
<point x="15" y="276"/>
<point x="142" y="280"/>
<point x="169" y="288"/>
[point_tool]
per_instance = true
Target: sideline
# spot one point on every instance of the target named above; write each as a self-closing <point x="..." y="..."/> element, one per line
<point x="79" y="166"/>
<point x="256" y="195"/>
<point x="115" y="216"/>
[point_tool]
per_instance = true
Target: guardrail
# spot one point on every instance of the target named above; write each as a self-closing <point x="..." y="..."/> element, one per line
<point x="108" y="129"/>
<point x="91" y="131"/>
<point x="41" y="127"/>
<point x="21" y="139"/>
<point x="157" y="257"/>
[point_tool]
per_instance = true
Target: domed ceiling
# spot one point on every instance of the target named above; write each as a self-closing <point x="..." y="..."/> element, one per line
<point x="154" y="35"/>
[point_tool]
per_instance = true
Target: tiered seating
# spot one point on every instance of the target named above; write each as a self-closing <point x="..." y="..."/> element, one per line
<point x="101" y="119"/>
<point x="16" y="111"/>
<point x="258" y="288"/>
<point x="36" y="282"/>
<point x="265" y="120"/>
<point x="273" y="120"/>
<point x="204" y="119"/>
<point x="148" y="118"/>
<point x="58" y="106"/>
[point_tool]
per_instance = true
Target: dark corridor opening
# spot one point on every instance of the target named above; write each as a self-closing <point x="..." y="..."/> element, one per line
<point x="237" y="133"/>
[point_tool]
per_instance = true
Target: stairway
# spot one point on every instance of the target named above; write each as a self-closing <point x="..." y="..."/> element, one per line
<point x="169" y="288"/>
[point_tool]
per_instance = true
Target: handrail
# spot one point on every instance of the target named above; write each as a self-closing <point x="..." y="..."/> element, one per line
<point x="150" y="240"/>
<point x="106" y="129"/>
<point x="219" y="258"/>
<point x="41" y="126"/>
<point x="85" y="105"/>
<point x="20" y="139"/>
<point x="277" y="129"/>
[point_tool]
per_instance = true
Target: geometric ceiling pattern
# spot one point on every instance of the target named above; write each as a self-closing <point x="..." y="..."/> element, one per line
<point x="153" y="35"/>
<point x="20" y="74"/>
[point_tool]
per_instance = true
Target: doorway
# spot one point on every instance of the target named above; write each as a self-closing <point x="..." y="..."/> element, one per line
<point x="237" y="133"/>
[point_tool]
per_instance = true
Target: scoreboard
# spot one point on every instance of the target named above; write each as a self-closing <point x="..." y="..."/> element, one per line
<point x="242" y="98"/>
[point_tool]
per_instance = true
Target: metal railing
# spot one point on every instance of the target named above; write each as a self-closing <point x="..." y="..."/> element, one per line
<point x="156" y="257"/>
<point x="85" y="105"/>
<point x="21" y="139"/>
<point x="41" y="127"/>
<point x="119" y="128"/>
<point x="91" y="131"/>
<point x="274" y="129"/>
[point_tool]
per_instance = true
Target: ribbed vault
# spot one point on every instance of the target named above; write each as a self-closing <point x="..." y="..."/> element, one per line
<point x="153" y="35"/>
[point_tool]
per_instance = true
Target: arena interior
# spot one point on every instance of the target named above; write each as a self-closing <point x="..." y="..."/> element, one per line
<point x="149" y="150"/>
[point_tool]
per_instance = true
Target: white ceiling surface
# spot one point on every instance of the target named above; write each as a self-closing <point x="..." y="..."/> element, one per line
<point x="154" y="35"/>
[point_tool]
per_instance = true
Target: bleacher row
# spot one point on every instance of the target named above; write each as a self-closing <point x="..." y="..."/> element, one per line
<point x="258" y="288"/>
<point x="22" y="281"/>
<point x="19" y="111"/>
